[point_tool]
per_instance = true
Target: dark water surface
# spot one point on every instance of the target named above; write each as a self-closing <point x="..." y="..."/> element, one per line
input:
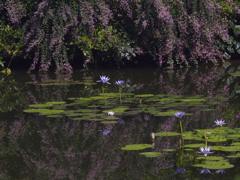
<point x="35" y="146"/>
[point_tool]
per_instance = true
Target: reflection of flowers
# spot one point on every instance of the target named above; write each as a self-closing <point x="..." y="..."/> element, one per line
<point x="205" y="151"/>
<point x="220" y="122"/>
<point x="181" y="171"/>
<point x="220" y="171"/>
<point x="119" y="83"/>
<point x="179" y="114"/>
<point x="105" y="132"/>
<point x="205" y="171"/>
<point x="104" y="79"/>
<point x="120" y="122"/>
<point x="110" y="113"/>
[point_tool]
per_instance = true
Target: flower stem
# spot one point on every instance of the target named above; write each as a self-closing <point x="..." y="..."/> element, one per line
<point x="120" y="94"/>
<point x="181" y="131"/>
<point x="103" y="91"/>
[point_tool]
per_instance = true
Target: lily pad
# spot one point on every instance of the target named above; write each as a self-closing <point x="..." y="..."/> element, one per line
<point x="56" y="102"/>
<point x="167" y="134"/>
<point x="108" y="122"/>
<point x="150" y="154"/>
<point x="136" y="146"/>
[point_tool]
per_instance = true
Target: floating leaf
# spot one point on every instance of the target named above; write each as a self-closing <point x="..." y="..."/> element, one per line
<point x="56" y="102"/>
<point x="169" y="150"/>
<point x="215" y="165"/>
<point x="167" y="134"/>
<point x="108" y="122"/>
<point x="54" y="116"/>
<point x="49" y="111"/>
<point x="136" y="146"/>
<point x="144" y="95"/>
<point x="207" y="109"/>
<point x="213" y="158"/>
<point x="150" y="154"/>
<point x="194" y="145"/>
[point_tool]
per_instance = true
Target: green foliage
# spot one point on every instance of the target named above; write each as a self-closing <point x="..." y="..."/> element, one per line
<point x="10" y="42"/>
<point x="108" y="42"/>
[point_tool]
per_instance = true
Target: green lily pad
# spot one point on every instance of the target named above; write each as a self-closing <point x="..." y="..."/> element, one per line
<point x="215" y="165"/>
<point x="167" y="134"/>
<point x="194" y="145"/>
<point x="136" y="146"/>
<point x="144" y="95"/>
<point x="169" y="150"/>
<point x="51" y="112"/>
<point x="108" y="122"/>
<point x="54" y="116"/>
<point x="150" y="154"/>
<point x="213" y="158"/>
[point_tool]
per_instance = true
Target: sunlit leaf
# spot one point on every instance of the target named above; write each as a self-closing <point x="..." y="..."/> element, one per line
<point x="136" y="146"/>
<point x="150" y="154"/>
<point x="167" y="134"/>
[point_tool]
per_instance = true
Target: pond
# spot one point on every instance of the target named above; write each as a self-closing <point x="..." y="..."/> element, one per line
<point x="72" y="127"/>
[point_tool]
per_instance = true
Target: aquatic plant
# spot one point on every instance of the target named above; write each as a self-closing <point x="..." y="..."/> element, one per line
<point x="104" y="79"/>
<point x="120" y="83"/>
<point x="220" y="122"/>
<point x="181" y="171"/>
<point x="110" y="113"/>
<point x="205" y="151"/>
<point x="179" y="114"/>
<point x="105" y="132"/>
<point x="152" y="136"/>
<point x="205" y="171"/>
<point x="222" y="171"/>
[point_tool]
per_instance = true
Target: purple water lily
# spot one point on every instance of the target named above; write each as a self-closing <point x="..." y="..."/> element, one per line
<point x="179" y="114"/>
<point x="104" y="79"/>
<point x="181" y="171"/>
<point x="105" y="132"/>
<point x="205" y="151"/>
<point x="220" y="122"/>
<point x="119" y="83"/>
<point x="205" y="171"/>
<point x="220" y="171"/>
<point x="120" y="122"/>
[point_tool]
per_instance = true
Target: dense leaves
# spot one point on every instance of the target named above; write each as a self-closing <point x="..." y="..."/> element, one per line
<point x="55" y="33"/>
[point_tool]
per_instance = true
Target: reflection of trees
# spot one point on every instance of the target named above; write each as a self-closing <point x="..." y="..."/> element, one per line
<point x="36" y="147"/>
<point x="11" y="93"/>
<point x="232" y="81"/>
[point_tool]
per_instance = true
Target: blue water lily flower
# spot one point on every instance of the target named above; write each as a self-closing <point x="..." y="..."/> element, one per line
<point x="205" y="151"/>
<point x="119" y="83"/>
<point x="105" y="132"/>
<point x="179" y="114"/>
<point x="120" y="122"/>
<point x="181" y="171"/>
<point x="205" y="171"/>
<point x="220" y="171"/>
<point x="104" y="79"/>
<point x="220" y="122"/>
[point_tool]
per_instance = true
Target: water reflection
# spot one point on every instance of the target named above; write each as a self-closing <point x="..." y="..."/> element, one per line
<point x="37" y="147"/>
